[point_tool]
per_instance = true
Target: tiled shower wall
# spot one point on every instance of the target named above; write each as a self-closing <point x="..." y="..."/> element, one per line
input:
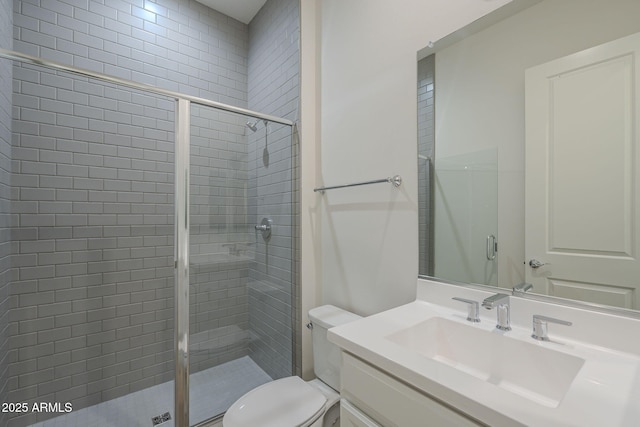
<point x="273" y="89"/>
<point x="426" y="144"/>
<point x="6" y="42"/>
<point x="93" y="240"/>
<point x="93" y="190"/>
<point x="220" y="254"/>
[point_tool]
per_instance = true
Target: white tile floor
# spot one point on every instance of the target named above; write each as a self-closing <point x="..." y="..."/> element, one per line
<point x="211" y="392"/>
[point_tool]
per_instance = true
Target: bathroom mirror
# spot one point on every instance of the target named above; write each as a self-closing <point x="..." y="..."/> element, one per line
<point x="477" y="164"/>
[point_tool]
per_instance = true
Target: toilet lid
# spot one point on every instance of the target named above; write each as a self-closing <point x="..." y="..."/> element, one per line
<point x="289" y="402"/>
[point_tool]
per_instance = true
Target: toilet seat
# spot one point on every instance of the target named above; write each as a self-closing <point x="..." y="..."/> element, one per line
<point x="285" y="402"/>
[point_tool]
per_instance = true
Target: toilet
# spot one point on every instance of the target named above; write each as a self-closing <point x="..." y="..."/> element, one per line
<point x="290" y="401"/>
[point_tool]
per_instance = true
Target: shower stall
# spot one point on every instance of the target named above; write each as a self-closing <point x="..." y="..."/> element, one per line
<point x="147" y="236"/>
<point x="142" y="280"/>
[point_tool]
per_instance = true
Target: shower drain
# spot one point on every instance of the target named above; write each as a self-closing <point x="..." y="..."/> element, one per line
<point x="161" y="418"/>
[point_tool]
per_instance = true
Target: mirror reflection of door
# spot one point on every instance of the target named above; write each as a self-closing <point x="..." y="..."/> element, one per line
<point x="582" y="151"/>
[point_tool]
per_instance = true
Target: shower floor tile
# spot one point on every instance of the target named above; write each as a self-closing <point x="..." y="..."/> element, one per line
<point x="211" y="392"/>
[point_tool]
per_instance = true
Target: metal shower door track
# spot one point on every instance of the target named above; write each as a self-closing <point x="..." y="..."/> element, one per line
<point x="29" y="59"/>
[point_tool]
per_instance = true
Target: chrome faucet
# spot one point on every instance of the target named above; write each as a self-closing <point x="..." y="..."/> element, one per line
<point x="522" y="288"/>
<point x="501" y="303"/>
<point x="472" y="314"/>
<point x="540" y="326"/>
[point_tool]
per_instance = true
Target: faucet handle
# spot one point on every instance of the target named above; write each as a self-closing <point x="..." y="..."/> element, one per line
<point x="540" y="326"/>
<point x="472" y="315"/>
<point x="522" y="288"/>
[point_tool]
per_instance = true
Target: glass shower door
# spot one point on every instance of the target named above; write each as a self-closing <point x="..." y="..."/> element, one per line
<point x="240" y="275"/>
<point x="93" y="201"/>
<point x="97" y="319"/>
<point x="466" y="217"/>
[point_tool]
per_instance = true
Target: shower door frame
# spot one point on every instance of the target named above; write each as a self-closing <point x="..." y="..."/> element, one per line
<point x="181" y="202"/>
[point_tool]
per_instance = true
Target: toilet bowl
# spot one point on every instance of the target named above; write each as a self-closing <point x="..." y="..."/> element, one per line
<point x="291" y="401"/>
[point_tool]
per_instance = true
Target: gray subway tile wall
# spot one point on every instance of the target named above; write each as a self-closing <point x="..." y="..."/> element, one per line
<point x="273" y="88"/>
<point x="217" y="239"/>
<point x="92" y="196"/>
<point x="94" y="237"/>
<point x="6" y="88"/>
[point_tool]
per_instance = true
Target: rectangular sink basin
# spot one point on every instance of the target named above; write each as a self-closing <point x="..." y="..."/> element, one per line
<point x="526" y="369"/>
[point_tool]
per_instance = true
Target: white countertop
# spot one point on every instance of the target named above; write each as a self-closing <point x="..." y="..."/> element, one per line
<point x="605" y="392"/>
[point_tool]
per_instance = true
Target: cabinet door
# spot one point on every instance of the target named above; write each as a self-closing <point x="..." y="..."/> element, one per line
<point x="392" y="403"/>
<point x="350" y="416"/>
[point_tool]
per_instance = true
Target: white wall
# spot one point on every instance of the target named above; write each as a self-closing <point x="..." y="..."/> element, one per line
<point x="368" y="236"/>
<point x="480" y="95"/>
<point x="359" y="246"/>
<point x="309" y="143"/>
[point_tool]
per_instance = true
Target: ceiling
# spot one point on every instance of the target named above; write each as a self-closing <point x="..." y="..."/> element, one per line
<point x="242" y="10"/>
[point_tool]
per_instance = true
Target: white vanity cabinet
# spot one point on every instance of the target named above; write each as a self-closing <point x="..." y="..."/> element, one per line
<point x="423" y="364"/>
<point x="350" y="416"/>
<point x="375" y="398"/>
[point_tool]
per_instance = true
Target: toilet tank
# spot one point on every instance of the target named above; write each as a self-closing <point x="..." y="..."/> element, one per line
<point x="326" y="356"/>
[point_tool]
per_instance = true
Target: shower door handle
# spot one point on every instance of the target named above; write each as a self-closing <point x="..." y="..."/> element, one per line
<point x="492" y="247"/>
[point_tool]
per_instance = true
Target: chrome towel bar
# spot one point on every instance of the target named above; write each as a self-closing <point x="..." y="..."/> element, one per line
<point x="396" y="180"/>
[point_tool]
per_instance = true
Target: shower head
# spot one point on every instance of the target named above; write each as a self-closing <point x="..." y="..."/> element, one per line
<point x="253" y="126"/>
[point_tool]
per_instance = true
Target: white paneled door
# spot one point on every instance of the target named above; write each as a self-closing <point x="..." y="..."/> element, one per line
<point x="582" y="180"/>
